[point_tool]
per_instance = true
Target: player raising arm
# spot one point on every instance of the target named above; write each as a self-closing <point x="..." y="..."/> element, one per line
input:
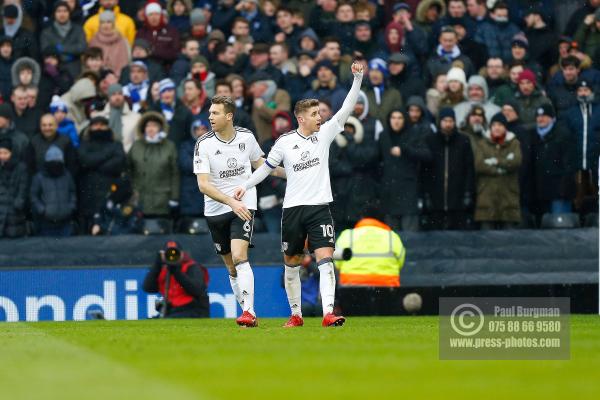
<point x="223" y="159"/>
<point x="305" y="155"/>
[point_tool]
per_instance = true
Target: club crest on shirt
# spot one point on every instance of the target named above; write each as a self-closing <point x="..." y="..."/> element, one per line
<point x="231" y="162"/>
<point x="242" y="146"/>
<point x="314" y="139"/>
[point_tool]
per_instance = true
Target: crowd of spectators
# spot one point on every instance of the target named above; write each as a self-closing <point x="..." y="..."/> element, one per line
<point x="473" y="114"/>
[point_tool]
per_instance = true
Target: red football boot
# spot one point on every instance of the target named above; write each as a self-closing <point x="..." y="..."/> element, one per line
<point x="294" y="321"/>
<point x="333" y="320"/>
<point x="247" y="320"/>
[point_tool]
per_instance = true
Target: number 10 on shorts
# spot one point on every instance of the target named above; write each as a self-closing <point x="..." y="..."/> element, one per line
<point x="327" y="230"/>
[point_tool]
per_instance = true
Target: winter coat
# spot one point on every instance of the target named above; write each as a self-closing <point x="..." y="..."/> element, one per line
<point x="334" y="93"/>
<point x="101" y="162"/>
<point x="180" y="125"/>
<point x="529" y="105"/>
<point x="391" y="99"/>
<point x="29" y="121"/>
<point x="38" y="147"/>
<point x="588" y="38"/>
<point x="542" y="46"/>
<point x="67" y="128"/>
<point x="180" y="68"/>
<point x="400" y="181"/>
<point x="129" y="121"/>
<point x="53" y="83"/>
<point x="13" y="197"/>
<point x="154" y="171"/>
<point x="155" y="71"/>
<point x="24" y="44"/>
<point x="119" y="219"/>
<point x="554" y="165"/>
<point x="123" y="23"/>
<point x="19" y="141"/>
<point x="583" y="121"/>
<point x="437" y="65"/>
<point x="115" y="50"/>
<point x="53" y="199"/>
<point x="498" y="195"/>
<point x="82" y="89"/>
<point x="262" y="117"/>
<point x="408" y="83"/>
<point x="69" y="48"/>
<point x="164" y="42"/>
<point x="364" y="157"/>
<point x="449" y="177"/>
<point x="497" y="38"/>
<point x="526" y="173"/>
<point x="340" y="171"/>
<point x="191" y="201"/>
<point x="5" y="77"/>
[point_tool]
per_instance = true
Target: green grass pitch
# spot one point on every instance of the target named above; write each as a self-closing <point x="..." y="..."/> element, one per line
<point x="369" y="358"/>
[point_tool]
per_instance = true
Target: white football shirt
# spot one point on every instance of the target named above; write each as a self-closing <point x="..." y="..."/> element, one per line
<point x="306" y="162"/>
<point x="228" y="164"/>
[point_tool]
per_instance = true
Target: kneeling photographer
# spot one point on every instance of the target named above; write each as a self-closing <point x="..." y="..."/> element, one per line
<point x="181" y="281"/>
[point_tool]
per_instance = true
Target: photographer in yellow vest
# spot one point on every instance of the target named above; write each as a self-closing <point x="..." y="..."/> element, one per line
<point x="377" y="254"/>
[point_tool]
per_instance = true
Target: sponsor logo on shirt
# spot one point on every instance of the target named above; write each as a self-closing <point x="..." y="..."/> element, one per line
<point x="306" y="164"/>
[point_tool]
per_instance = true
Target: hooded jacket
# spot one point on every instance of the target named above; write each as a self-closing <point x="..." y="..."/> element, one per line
<point x="24" y="63"/>
<point x="153" y="169"/>
<point x="81" y="90"/>
<point x="497" y="174"/>
<point x="23" y="41"/>
<point x="123" y="23"/>
<point x="462" y="109"/>
<point x="497" y="37"/>
<point x="69" y="48"/>
<point x="19" y="140"/>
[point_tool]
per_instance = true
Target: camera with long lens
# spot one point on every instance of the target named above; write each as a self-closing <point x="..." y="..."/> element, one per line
<point x="172" y="255"/>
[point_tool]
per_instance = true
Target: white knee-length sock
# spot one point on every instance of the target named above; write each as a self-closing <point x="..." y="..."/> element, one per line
<point x="245" y="278"/>
<point x="236" y="290"/>
<point x="293" y="288"/>
<point x="327" y="284"/>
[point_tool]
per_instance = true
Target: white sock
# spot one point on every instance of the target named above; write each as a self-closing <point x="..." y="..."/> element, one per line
<point x="293" y="289"/>
<point x="236" y="290"/>
<point x="246" y="283"/>
<point x="327" y="285"/>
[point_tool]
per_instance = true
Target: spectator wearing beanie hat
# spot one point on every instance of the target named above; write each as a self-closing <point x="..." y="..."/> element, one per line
<point x="163" y="39"/>
<point x="18" y="139"/>
<point x="448" y="177"/>
<point x="66" y="127"/>
<point x="115" y="49"/>
<point x="67" y="38"/>
<point x="554" y="164"/>
<point x="475" y="123"/>
<point x="122" y="120"/>
<point x="13" y="192"/>
<point x="141" y="51"/>
<point x="497" y="163"/>
<point x="382" y="98"/>
<point x="177" y="115"/>
<point x="529" y="98"/>
<point x="519" y="50"/>
<point x="456" y="88"/>
<point x="123" y="22"/>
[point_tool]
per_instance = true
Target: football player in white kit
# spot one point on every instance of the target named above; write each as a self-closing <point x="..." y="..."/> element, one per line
<point x="223" y="159"/>
<point x="305" y="155"/>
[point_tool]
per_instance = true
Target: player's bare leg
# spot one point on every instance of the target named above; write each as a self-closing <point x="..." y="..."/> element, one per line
<point x="293" y="289"/>
<point x="245" y="278"/>
<point x="324" y="256"/>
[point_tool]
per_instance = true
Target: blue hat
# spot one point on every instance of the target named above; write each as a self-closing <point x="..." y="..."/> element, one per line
<point x="379" y="65"/>
<point x="166" y="84"/>
<point x="54" y="153"/>
<point x="447" y="112"/>
<point x="58" y="104"/>
<point x="401" y="6"/>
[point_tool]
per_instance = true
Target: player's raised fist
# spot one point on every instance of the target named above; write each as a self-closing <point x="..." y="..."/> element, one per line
<point x="357" y="68"/>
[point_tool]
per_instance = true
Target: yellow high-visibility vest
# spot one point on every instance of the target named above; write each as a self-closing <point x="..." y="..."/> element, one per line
<point x="377" y="257"/>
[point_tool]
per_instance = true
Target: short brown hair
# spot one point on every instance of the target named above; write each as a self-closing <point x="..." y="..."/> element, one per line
<point x="228" y="103"/>
<point x="303" y="105"/>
